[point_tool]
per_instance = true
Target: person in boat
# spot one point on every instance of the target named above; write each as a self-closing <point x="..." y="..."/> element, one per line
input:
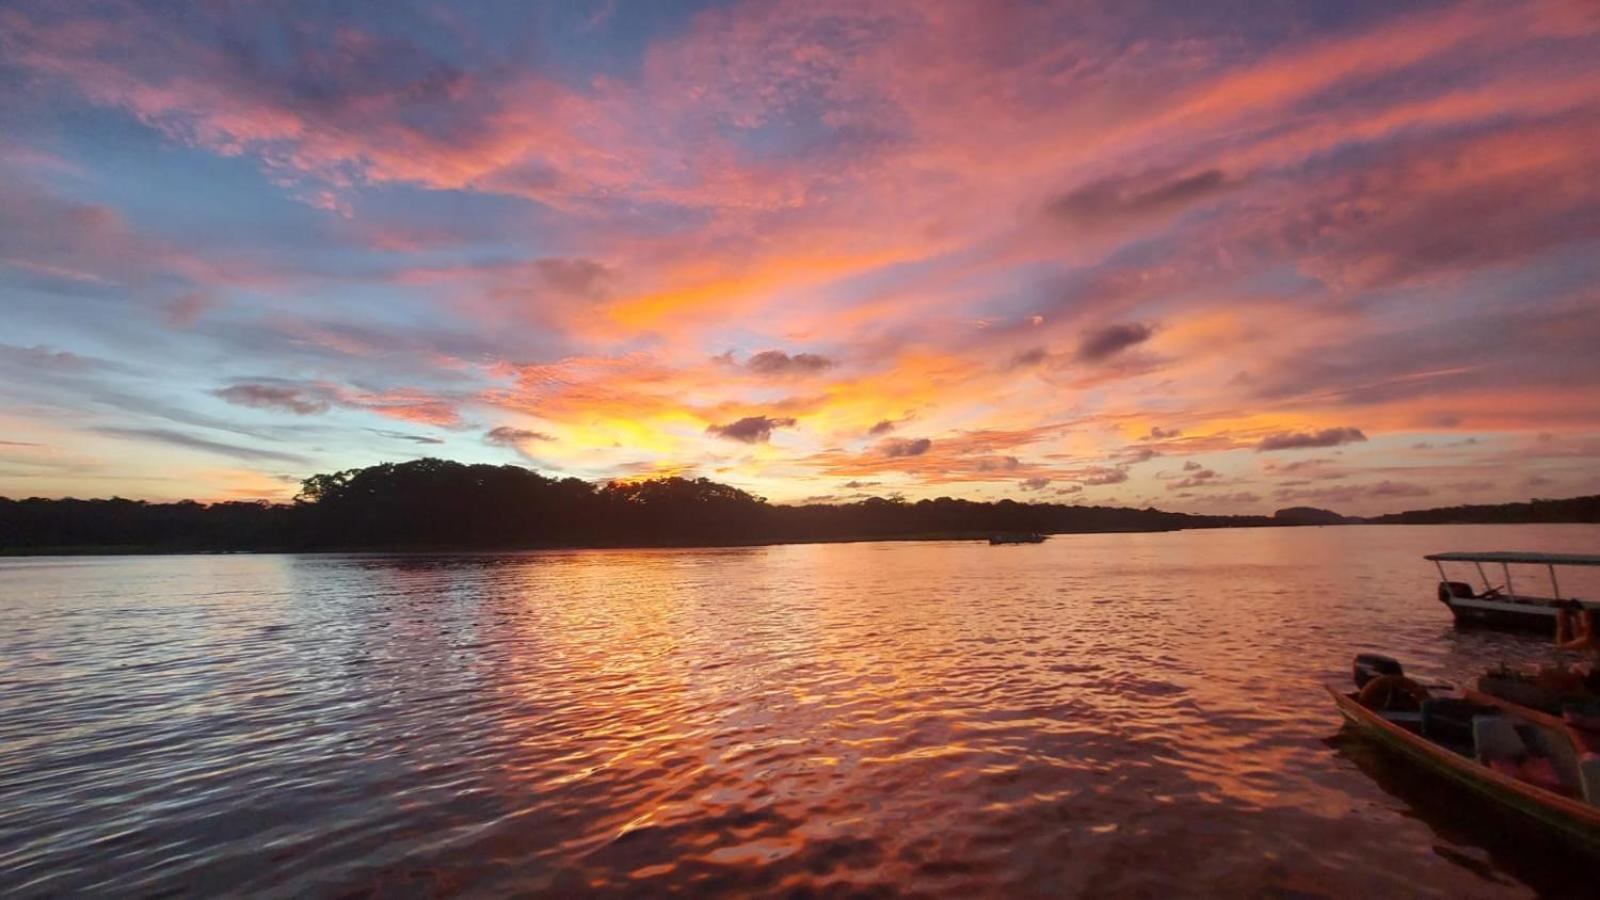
<point x="1577" y="630"/>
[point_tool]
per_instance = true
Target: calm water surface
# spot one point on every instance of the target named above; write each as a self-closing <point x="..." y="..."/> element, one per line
<point x="1122" y="714"/>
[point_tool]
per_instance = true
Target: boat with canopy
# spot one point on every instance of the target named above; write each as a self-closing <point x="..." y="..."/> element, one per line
<point x="1508" y="605"/>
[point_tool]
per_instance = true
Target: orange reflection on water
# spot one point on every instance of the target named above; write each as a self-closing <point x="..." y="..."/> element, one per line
<point x="1108" y="713"/>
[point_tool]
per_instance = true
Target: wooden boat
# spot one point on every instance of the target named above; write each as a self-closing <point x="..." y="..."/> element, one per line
<point x="1504" y="606"/>
<point x="1033" y="538"/>
<point x="1484" y="758"/>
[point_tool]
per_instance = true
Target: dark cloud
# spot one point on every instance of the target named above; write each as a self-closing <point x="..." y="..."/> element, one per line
<point x="858" y="485"/>
<point x="506" y="436"/>
<point x="1397" y="489"/>
<point x="1035" y="484"/>
<point x="180" y="439"/>
<point x="777" y="362"/>
<point x="284" y="396"/>
<point x="1315" y="467"/>
<point x="185" y="310"/>
<point x="1192" y="466"/>
<point x="1070" y="489"/>
<point x="1107" y="341"/>
<point x="1201" y="478"/>
<point x="1098" y="476"/>
<point x="1160" y="434"/>
<point x="583" y="278"/>
<point x="751" y="429"/>
<point x="1130" y="455"/>
<point x="303" y="398"/>
<point x="41" y="357"/>
<point x="997" y="464"/>
<point x="904" y="447"/>
<point x="51" y="379"/>
<point x="881" y="428"/>
<point x="1297" y="440"/>
<point x="1128" y="197"/>
<point x="1029" y="358"/>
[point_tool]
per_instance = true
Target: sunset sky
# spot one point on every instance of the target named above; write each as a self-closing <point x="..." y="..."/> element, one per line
<point x="1220" y="257"/>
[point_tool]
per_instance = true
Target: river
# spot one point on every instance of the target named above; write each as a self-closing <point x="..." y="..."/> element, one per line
<point x="1126" y="715"/>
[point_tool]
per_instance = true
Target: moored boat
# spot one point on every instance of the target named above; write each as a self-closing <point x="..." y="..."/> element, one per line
<point x="1030" y="538"/>
<point x="1532" y="764"/>
<point x="1505" y="606"/>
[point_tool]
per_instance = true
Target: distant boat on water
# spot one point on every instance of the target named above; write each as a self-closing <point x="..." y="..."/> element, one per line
<point x="1017" y="538"/>
<point x="1505" y="606"/>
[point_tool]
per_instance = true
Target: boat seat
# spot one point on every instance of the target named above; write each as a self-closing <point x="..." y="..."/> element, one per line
<point x="1496" y="737"/>
<point x="1448" y="720"/>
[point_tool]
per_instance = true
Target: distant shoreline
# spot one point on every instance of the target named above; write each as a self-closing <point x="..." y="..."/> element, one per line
<point x="519" y="548"/>
<point x="435" y="505"/>
<point x="409" y="550"/>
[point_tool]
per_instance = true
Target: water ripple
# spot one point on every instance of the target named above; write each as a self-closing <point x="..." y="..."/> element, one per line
<point x="1127" y="715"/>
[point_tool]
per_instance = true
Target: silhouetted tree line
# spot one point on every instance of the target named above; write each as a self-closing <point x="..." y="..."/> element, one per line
<point x="39" y="524"/>
<point x="432" y="503"/>
<point x="1575" y="509"/>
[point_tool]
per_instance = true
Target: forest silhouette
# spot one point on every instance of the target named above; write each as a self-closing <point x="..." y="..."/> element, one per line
<point x="438" y="504"/>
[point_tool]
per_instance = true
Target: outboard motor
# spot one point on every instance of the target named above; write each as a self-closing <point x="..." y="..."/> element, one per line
<point x="1449" y="589"/>
<point x="1370" y="665"/>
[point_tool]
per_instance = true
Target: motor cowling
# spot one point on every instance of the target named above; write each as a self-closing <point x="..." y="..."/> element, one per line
<point x="1393" y="693"/>
<point x="1450" y="589"/>
<point x="1368" y="666"/>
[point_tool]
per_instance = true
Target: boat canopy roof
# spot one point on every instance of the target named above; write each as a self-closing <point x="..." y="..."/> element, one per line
<point x="1509" y="556"/>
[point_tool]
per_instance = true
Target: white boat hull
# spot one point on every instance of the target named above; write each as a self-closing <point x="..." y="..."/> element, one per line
<point x="1512" y="615"/>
